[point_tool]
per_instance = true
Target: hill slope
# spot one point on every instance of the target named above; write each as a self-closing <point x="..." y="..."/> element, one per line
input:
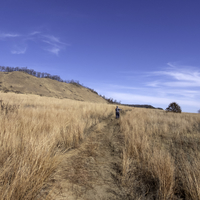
<point x="20" y="82"/>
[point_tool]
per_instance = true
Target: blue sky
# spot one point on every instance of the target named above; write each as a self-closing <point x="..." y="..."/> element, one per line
<point x="135" y="51"/>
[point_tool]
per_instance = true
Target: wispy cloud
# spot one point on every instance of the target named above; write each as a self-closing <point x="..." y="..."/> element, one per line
<point x="48" y="43"/>
<point x="159" y="88"/>
<point x="176" y="77"/>
<point x="122" y="87"/>
<point x="162" y="91"/>
<point x="52" y="38"/>
<point x="55" y="45"/>
<point x="182" y="84"/>
<point x="34" y="33"/>
<point x="20" y="51"/>
<point x="8" y="35"/>
<point x="54" y="50"/>
<point x="153" y="83"/>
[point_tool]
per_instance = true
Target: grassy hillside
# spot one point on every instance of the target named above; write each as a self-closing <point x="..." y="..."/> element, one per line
<point x="20" y="82"/>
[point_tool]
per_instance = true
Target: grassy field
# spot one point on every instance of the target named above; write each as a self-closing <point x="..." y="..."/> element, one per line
<point x="159" y="152"/>
<point x="161" y="155"/>
<point x="35" y="135"/>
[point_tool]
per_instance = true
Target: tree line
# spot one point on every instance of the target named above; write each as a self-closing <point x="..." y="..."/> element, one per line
<point x="53" y="77"/>
<point x="33" y="73"/>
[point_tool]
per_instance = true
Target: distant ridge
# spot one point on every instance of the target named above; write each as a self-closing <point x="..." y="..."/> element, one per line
<point x="21" y="82"/>
<point x="141" y="106"/>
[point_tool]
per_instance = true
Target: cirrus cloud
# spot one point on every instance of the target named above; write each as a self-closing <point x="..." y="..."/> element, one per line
<point x="48" y="43"/>
<point x="176" y="76"/>
<point x="8" y="35"/>
<point x="19" y="51"/>
<point x="174" y="83"/>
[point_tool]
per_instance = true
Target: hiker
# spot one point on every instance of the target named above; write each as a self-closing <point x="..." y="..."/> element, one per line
<point x="117" y="112"/>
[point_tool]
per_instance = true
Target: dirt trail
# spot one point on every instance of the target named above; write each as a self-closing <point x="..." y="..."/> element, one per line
<point x="92" y="170"/>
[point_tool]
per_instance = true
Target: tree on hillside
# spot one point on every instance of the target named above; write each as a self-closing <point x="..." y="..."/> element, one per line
<point x="174" y="107"/>
<point x="38" y="74"/>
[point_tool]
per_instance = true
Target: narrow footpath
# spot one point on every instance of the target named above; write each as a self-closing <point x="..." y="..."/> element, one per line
<point x="92" y="171"/>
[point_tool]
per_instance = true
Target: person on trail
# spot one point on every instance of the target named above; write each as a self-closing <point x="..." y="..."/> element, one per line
<point x="117" y="112"/>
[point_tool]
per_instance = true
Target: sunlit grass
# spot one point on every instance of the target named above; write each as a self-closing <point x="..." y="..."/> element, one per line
<point x="161" y="154"/>
<point x="161" y="151"/>
<point x="34" y="137"/>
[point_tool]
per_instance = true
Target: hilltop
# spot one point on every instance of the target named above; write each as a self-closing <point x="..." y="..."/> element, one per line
<point x="21" y="82"/>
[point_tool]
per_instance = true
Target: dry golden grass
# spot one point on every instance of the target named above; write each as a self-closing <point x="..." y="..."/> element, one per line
<point x="161" y="155"/>
<point x="161" y="151"/>
<point x="34" y="137"/>
<point x="23" y="83"/>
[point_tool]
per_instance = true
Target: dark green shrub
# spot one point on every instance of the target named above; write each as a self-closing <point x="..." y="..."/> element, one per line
<point x="174" y="107"/>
